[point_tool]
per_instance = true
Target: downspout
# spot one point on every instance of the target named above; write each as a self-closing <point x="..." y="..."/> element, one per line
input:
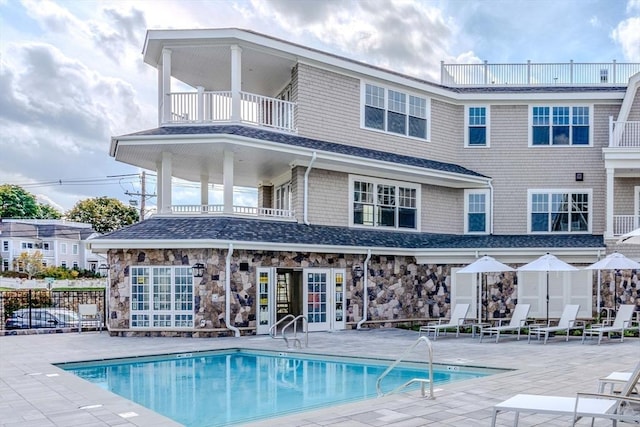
<point x="306" y="189"/>
<point x="491" y="207"/>
<point x="227" y="287"/>
<point x="365" y="291"/>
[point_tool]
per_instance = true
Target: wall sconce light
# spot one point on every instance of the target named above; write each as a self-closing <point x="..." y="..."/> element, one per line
<point x="198" y="269"/>
<point x="579" y="176"/>
<point x="103" y="269"/>
<point x="357" y="271"/>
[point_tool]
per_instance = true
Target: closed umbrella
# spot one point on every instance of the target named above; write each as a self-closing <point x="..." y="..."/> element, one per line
<point x="547" y="263"/>
<point x="486" y="264"/>
<point x="613" y="261"/>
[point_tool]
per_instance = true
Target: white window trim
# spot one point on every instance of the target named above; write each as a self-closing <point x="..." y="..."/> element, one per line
<point x="63" y="248"/>
<point x="75" y="249"/>
<point x="487" y="126"/>
<point x="150" y="312"/>
<point x="5" y="246"/>
<point x="587" y="191"/>
<point x="375" y="182"/>
<point x="487" y="195"/>
<point x="363" y="94"/>
<point x="560" y="104"/>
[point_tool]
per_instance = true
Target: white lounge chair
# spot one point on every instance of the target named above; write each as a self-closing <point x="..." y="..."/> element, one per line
<point x="621" y="323"/>
<point x="566" y="323"/>
<point x="592" y="405"/>
<point x="516" y="323"/>
<point x="458" y="316"/>
<point x="88" y="316"/>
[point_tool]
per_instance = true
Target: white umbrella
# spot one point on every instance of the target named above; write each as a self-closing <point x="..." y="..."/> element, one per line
<point x="486" y="264"/>
<point x="613" y="261"/>
<point x="547" y="263"/>
<point x="632" y="237"/>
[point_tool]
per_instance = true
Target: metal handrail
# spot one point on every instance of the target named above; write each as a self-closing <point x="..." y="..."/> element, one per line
<point x="295" y="338"/>
<point x="273" y="330"/>
<point x="422" y="381"/>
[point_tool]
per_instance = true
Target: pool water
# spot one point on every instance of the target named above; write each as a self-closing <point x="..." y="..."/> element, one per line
<point x="237" y="386"/>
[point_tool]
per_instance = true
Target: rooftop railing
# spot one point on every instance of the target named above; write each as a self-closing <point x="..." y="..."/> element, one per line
<point x="532" y="74"/>
<point x="251" y="211"/>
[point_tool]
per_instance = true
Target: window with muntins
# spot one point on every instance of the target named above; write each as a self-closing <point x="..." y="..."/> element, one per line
<point x="560" y="125"/>
<point x="5" y="246"/>
<point x="378" y="203"/>
<point x="162" y="297"/>
<point x="395" y="112"/>
<point x="477" y="127"/>
<point x="476" y="211"/>
<point x="559" y="212"/>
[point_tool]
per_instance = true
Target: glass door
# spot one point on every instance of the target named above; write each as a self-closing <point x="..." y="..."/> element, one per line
<point x="265" y="312"/>
<point x="339" y="315"/>
<point x="316" y="297"/>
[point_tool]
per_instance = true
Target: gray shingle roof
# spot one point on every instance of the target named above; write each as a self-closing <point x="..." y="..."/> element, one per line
<point x="312" y="144"/>
<point x="255" y="230"/>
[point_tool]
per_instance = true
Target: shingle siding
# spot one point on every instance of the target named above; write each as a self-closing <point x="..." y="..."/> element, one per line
<point x="328" y="198"/>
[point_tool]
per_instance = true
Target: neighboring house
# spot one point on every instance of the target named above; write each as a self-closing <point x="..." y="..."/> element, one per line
<point x="61" y="243"/>
<point x="373" y="187"/>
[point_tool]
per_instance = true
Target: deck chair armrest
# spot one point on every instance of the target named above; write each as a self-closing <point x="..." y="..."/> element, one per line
<point x="630" y="399"/>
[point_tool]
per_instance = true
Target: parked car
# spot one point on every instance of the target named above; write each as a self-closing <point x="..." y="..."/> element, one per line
<point x="42" y="318"/>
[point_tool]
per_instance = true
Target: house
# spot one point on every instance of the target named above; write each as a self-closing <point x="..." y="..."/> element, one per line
<point x="374" y="187"/>
<point x="61" y="243"/>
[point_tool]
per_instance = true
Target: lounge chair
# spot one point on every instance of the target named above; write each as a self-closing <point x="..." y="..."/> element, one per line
<point x="614" y="407"/>
<point x="517" y="322"/>
<point x="458" y="317"/>
<point x="566" y="323"/>
<point x="621" y="323"/>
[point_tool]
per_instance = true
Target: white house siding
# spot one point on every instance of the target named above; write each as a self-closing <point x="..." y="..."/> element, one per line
<point x="447" y="132"/>
<point x="328" y="108"/>
<point x="624" y="195"/>
<point x="297" y="192"/>
<point x="329" y="198"/>
<point x="442" y="210"/>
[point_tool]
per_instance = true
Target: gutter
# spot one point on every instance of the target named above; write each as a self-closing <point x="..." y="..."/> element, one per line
<point x="227" y="289"/>
<point x="306" y="189"/>
<point x="490" y="207"/>
<point x="365" y="291"/>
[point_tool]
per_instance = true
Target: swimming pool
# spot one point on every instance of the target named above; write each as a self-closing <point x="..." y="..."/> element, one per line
<point x="236" y="386"/>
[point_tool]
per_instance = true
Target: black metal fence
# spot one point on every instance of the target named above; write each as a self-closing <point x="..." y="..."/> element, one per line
<point x="42" y="308"/>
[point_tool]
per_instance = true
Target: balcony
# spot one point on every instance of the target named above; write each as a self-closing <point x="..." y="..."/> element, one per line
<point x="248" y="211"/>
<point x="215" y="107"/>
<point x="625" y="223"/>
<point x="624" y="134"/>
<point x="532" y="74"/>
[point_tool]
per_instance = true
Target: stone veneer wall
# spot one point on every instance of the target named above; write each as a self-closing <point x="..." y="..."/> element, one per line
<point x="399" y="289"/>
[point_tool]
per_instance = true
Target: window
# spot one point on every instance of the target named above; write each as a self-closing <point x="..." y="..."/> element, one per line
<point x="162" y="297"/>
<point x="559" y="211"/>
<point x="560" y="125"/>
<point x="46" y="246"/>
<point x="477" y="126"/>
<point x="63" y="248"/>
<point x="75" y="265"/>
<point x="74" y="249"/>
<point x="26" y="245"/>
<point x="5" y="246"/>
<point x="395" y="112"/>
<point x="5" y="265"/>
<point x="378" y="203"/>
<point x="283" y="196"/>
<point x="476" y="211"/>
<point x="63" y="264"/>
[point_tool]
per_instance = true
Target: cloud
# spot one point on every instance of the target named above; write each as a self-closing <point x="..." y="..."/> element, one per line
<point x="409" y="37"/>
<point x="627" y="35"/>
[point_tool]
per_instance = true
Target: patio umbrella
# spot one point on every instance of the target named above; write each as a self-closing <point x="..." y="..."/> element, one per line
<point x="547" y="263"/>
<point x="632" y="237"/>
<point x="486" y="264"/>
<point x="613" y="261"/>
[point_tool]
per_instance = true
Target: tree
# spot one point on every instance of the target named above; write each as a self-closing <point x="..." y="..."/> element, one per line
<point x="31" y="263"/>
<point x="105" y="214"/>
<point x="15" y="202"/>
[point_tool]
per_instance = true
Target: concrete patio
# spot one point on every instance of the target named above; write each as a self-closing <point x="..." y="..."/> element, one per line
<point x="35" y="393"/>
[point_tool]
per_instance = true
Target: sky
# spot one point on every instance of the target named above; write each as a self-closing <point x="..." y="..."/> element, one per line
<point x="72" y="75"/>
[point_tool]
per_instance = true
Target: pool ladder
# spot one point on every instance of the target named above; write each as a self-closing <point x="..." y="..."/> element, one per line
<point x="422" y="381"/>
<point x="273" y="330"/>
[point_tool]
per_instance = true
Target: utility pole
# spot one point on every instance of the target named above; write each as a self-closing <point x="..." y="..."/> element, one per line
<point x="143" y="194"/>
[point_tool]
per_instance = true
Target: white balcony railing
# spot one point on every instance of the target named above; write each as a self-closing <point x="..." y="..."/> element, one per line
<point x="532" y="74"/>
<point x="217" y="107"/>
<point x="625" y="223"/>
<point x="237" y="210"/>
<point x="624" y="134"/>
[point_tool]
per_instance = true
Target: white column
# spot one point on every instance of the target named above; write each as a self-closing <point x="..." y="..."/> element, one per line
<point x="200" y="103"/>
<point x="166" y="85"/>
<point x="159" y="187"/>
<point x="227" y="181"/>
<point x="160" y="96"/>
<point x="165" y="181"/>
<point x="608" y="233"/>
<point x="236" y="82"/>
<point x="204" y="189"/>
